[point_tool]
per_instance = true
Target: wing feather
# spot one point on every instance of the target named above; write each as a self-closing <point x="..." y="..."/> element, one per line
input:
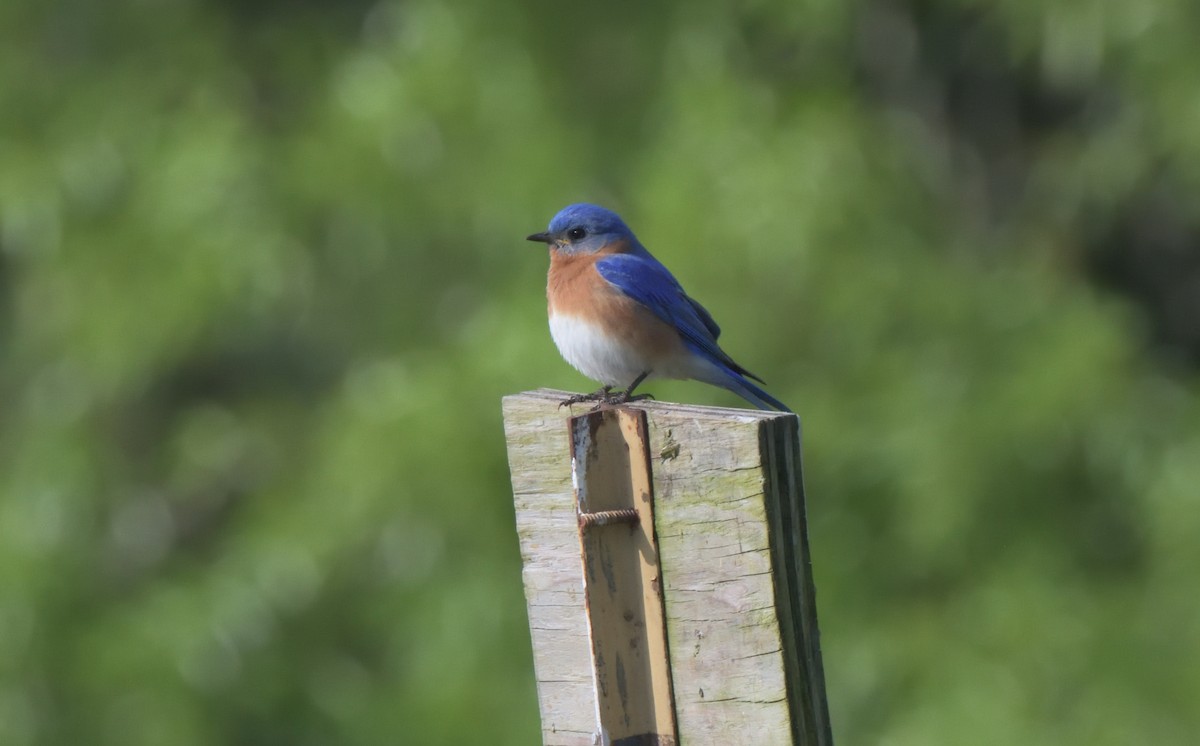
<point x="648" y="282"/>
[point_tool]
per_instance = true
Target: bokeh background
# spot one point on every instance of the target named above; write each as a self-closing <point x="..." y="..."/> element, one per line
<point x="263" y="283"/>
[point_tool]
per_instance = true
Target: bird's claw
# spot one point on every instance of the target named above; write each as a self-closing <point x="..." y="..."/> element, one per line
<point x="605" y="399"/>
<point x="601" y="396"/>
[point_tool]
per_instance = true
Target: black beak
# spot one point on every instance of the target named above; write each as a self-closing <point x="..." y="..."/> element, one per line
<point x="543" y="237"/>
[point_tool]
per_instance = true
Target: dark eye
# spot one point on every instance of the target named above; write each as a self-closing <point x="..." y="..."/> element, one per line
<point x="576" y="233"/>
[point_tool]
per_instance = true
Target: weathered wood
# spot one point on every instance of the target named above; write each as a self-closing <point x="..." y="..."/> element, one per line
<point x="547" y="526"/>
<point x="736" y="579"/>
<point x="611" y="472"/>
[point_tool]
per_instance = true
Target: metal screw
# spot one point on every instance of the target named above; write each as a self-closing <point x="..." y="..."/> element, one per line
<point x="606" y="517"/>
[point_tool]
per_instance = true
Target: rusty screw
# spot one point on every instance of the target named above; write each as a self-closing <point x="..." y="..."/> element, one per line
<point x="605" y="517"/>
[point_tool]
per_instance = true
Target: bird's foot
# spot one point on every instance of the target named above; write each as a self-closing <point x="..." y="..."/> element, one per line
<point x="620" y="398"/>
<point x="601" y="396"/>
<point x="606" y="398"/>
<point x="625" y="397"/>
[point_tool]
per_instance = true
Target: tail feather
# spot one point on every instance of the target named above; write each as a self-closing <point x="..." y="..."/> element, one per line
<point x="748" y="391"/>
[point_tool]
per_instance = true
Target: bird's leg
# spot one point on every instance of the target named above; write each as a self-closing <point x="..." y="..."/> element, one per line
<point x="626" y="396"/>
<point x="601" y="396"/>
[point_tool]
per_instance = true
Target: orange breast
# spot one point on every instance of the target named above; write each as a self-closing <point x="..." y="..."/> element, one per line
<point x="576" y="289"/>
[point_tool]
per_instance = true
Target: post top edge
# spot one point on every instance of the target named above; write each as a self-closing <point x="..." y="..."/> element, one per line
<point x="696" y="410"/>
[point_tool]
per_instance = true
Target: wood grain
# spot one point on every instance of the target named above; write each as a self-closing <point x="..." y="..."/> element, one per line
<point x="736" y="575"/>
<point x="611" y="472"/>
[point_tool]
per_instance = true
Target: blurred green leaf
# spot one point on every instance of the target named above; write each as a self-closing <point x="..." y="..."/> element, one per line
<point x="263" y="282"/>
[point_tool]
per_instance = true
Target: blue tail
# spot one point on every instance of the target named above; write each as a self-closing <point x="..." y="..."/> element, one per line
<point x="748" y="391"/>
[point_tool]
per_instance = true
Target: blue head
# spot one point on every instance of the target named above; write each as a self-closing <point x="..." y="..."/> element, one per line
<point x="584" y="228"/>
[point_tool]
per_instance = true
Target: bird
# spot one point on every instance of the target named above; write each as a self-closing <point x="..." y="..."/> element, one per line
<point x="619" y="317"/>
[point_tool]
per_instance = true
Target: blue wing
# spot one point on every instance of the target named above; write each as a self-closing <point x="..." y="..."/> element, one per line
<point x="706" y="317"/>
<point x="648" y="282"/>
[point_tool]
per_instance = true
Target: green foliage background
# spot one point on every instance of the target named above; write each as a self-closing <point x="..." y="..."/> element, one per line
<point x="263" y="283"/>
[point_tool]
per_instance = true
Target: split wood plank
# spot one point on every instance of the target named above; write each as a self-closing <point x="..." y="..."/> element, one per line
<point x="736" y="574"/>
<point x="611" y="474"/>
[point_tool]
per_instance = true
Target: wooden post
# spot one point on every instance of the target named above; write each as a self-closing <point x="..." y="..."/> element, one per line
<point x="742" y="648"/>
<point x="610" y="463"/>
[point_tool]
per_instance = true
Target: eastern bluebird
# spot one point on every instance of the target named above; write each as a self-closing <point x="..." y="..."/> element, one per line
<point x="619" y="316"/>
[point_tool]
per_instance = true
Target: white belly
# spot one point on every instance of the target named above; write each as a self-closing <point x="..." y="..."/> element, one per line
<point x="598" y="356"/>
